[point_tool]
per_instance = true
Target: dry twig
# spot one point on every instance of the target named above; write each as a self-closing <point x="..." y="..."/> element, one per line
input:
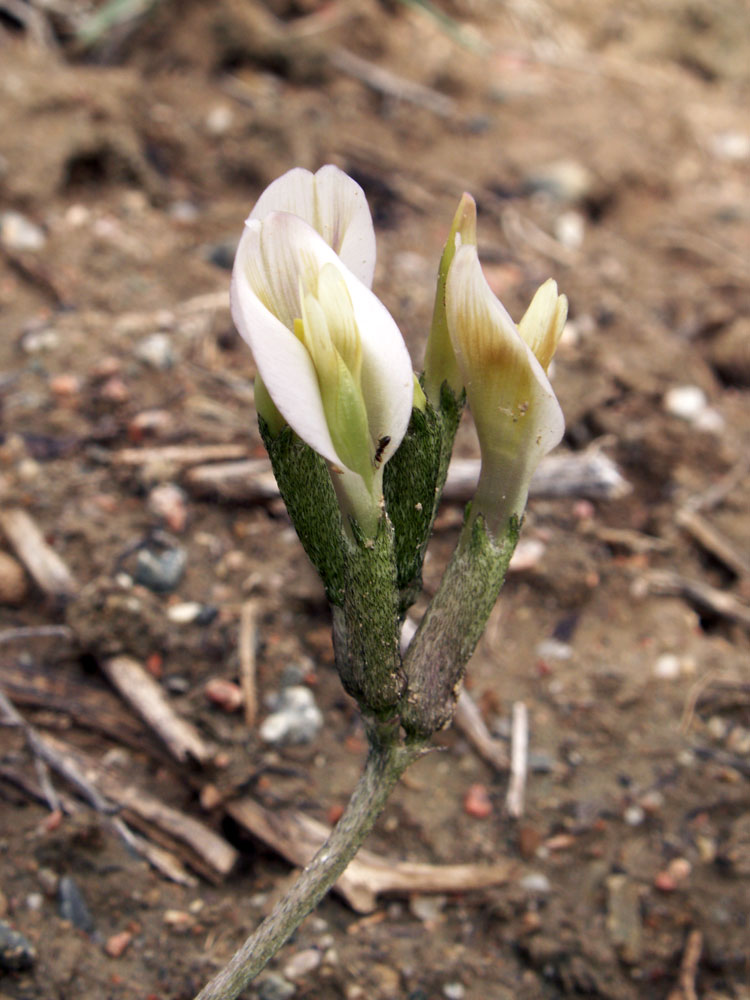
<point x="519" y="757"/>
<point x="148" y="699"/>
<point x="718" y="602"/>
<point x="297" y="837"/>
<point x="469" y="720"/>
<point x="43" y="563"/>
<point x="688" y="968"/>
<point x="713" y="541"/>
<point x="248" y="639"/>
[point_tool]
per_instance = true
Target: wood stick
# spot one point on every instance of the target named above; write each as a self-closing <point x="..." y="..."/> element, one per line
<point x="147" y="697"/>
<point x="519" y="757"/>
<point x="589" y="474"/>
<point x="689" y="968"/>
<point x="718" y="602"/>
<point x="209" y="846"/>
<point x="297" y="837"/>
<point x="248" y="638"/>
<point x="64" y="762"/>
<point x="249" y="481"/>
<point x="45" y="566"/>
<point x="468" y="719"/>
<point x="22" y="634"/>
<point x="382" y="81"/>
<point x="713" y="541"/>
<point x="179" y="454"/>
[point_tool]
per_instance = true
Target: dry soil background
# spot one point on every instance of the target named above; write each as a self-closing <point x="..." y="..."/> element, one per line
<point x="608" y="145"/>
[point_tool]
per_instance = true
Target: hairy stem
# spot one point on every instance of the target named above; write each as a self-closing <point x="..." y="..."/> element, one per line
<point x="388" y="759"/>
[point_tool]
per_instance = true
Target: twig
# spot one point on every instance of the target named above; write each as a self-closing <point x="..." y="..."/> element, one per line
<point x="688" y="968"/>
<point x="519" y="757"/>
<point x="210" y="848"/>
<point x="43" y="563"/>
<point x="146" y="696"/>
<point x="713" y="541"/>
<point x="178" y="454"/>
<point x="469" y="720"/>
<point x="590" y="474"/>
<point x="719" y="491"/>
<point x="382" y="81"/>
<point x="250" y="481"/>
<point x="297" y="837"/>
<point x="248" y="639"/>
<point x="36" y="632"/>
<point x="708" y="598"/>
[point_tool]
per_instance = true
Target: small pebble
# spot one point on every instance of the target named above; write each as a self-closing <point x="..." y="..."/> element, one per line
<point x="219" y="119"/>
<point x="65" y="385"/>
<point x="667" y="667"/>
<point x="184" y="613"/>
<point x="717" y="727"/>
<point x="19" y="233"/>
<point x="275" y="987"/>
<point x="36" y="341"/>
<point x="553" y="649"/>
<point x="477" y="802"/>
<point x="13" y="584"/>
<point x="156" y="351"/>
<point x="428" y="909"/>
<point x="527" y="555"/>
<point x="16" y="951"/>
<point x="564" y="180"/>
<point x="731" y="145"/>
<point x="160" y="571"/>
<point x="686" y="401"/>
<point x="150" y="423"/>
<point x="73" y="906"/>
<point x="168" y="502"/>
<point x="535" y="882"/>
<point x="297" y="718"/>
<point x="303" y="963"/>
<point x="634" y="815"/>
<point x="116" y="944"/>
<point x="223" y="693"/>
<point x="178" y="920"/>
<point x="570" y="228"/>
<point x="454" y="991"/>
<point x="738" y="741"/>
<point x="114" y="390"/>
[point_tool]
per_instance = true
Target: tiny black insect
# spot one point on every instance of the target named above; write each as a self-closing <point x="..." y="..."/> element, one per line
<point x="382" y="445"/>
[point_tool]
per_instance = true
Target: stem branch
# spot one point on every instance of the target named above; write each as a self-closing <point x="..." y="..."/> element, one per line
<point x="386" y="762"/>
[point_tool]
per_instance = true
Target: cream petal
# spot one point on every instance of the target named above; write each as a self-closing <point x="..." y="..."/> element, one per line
<point x="334" y="205"/>
<point x="515" y="410"/>
<point x="272" y="257"/>
<point x="282" y="361"/>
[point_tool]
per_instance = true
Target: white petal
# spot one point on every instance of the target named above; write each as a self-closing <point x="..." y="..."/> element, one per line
<point x="272" y="257"/>
<point x="334" y="205"/>
<point x="283" y="362"/>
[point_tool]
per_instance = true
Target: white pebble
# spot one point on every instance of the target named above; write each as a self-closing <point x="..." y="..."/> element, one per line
<point x="184" y="613"/>
<point x="302" y="964"/>
<point x="536" y="882"/>
<point x="454" y="991"/>
<point x="553" y="649"/>
<point x="667" y="667"/>
<point x="686" y="401"/>
<point x="19" y="233"/>
<point x="634" y="815"/>
<point x="570" y="229"/>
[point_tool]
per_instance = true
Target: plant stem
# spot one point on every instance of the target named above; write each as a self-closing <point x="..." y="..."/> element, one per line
<point x="388" y="758"/>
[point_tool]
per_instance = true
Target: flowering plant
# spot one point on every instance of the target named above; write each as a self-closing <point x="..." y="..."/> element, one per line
<point x="360" y="448"/>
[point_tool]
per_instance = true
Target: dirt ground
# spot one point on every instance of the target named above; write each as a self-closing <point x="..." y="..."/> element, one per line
<point x="607" y="145"/>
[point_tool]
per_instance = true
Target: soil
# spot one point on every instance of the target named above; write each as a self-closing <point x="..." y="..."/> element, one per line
<point x="607" y="145"/>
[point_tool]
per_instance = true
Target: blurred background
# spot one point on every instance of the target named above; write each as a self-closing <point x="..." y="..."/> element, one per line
<point x="608" y="146"/>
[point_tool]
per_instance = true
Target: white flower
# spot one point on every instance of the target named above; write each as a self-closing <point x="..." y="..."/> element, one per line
<point x="329" y="354"/>
<point x="503" y="368"/>
<point x="334" y="205"/>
